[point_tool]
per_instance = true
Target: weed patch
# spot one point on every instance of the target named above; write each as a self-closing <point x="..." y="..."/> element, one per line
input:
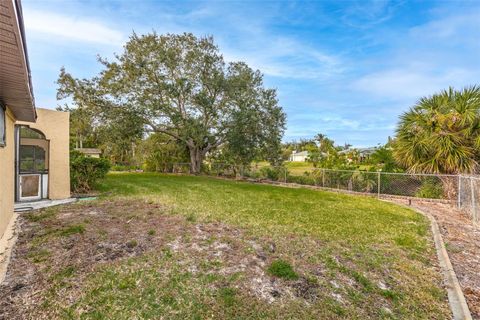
<point x="282" y="269"/>
<point x="70" y="230"/>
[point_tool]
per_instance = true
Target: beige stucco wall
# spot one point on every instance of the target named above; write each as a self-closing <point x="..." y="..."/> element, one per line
<point x="55" y="125"/>
<point x="7" y="174"/>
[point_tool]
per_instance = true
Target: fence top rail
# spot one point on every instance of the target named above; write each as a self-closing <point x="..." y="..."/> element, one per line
<point x="472" y="176"/>
<point x="420" y="174"/>
<point x="375" y="172"/>
<point x="476" y="177"/>
<point x="393" y="173"/>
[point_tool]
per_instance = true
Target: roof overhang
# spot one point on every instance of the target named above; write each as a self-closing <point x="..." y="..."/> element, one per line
<point x="15" y="81"/>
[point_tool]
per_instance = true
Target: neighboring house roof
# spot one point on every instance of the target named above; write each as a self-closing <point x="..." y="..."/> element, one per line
<point x="15" y="81"/>
<point x="89" y="150"/>
<point x="367" y="151"/>
<point x="361" y="151"/>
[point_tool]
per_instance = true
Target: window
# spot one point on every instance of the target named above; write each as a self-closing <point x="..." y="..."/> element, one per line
<point x="26" y="132"/>
<point x="2" y="126"/>
<point x="32" y="159"/>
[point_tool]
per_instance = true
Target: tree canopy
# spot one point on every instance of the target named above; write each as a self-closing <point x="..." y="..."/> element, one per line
<point x="441" y="133"/>
<point x="180" y="86"/>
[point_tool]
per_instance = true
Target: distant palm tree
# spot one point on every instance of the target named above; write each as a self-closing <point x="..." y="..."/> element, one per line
<point x="441" y="133"/>
<point x="366" y="180"/>
<point x="384" y="156"/>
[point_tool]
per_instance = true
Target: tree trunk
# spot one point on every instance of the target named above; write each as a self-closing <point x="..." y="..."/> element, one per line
<point x="196" y="159"/>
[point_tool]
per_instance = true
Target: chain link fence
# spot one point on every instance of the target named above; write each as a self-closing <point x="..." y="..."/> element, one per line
<point x="460" y="191"/>
<point x="469" y="196"/>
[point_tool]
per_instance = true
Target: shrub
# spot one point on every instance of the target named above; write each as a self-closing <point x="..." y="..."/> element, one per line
<point x="273" y="173"/>
<point x="282" y="269"/>
<point x="430" y="189"/>
<point x="121" y="167"/>
<point x="86" y="171"/>
<point x="305" y="180"/>
<point x="251" y="174"/>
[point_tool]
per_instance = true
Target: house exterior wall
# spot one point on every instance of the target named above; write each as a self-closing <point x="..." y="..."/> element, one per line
<point x="298" y="157"/>
<point x="55" y="125"/>
<point x="7" y="173"/>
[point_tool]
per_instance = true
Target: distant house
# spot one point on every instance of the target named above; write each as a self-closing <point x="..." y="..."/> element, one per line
<point x="362" y="153"/>
<point x="301" y="156"/>
<point x="365" y="153"/>
<point x="90" y="152"/>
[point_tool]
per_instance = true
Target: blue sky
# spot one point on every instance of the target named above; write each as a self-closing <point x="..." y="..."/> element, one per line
<point x="343" y="68"/>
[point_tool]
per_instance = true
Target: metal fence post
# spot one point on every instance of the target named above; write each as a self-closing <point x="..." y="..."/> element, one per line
<point x="285" y="170"/>
<point x="323" y="178"/>
<point x="474" y="205"/>
<point x="378" y="184"/>
<point x="459" y="192"/>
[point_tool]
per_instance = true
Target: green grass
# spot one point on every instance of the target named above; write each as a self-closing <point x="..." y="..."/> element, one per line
<point x="270" y="209"/>
<point x="282" y="269"/>
<point x="37" y="216"/>
<point x="299" y="168"/>
<point x="137" y="290"/>
<point x="74" y="229"/>
<point x="354" y="257"/>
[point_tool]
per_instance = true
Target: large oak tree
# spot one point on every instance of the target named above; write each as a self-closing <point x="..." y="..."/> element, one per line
<point x="181" y="86"/>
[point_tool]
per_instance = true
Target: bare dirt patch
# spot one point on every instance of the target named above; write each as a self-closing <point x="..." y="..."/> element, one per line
<point x="462" y="240"/>
<point x="71" y="242"/>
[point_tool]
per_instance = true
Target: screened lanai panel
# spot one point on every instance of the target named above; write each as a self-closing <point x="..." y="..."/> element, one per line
<point x="32" y="159"/>
<point x="29" y="133"/>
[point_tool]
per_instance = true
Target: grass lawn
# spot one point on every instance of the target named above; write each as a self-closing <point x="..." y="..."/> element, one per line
<point x="181" y="247"/>
<point x="299" y="168"/>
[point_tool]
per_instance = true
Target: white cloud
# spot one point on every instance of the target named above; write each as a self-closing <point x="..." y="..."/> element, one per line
<point x="456" y="27"/>
<point x="71" y="28"/>
<point x="366" y="14"/>
<point x="285" y="58"/>
<point x="428" y="58"/>
<point x="412" y="84"/>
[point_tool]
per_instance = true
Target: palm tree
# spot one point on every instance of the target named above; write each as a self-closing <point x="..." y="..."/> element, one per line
<point x="441" y="133"/>
<point x="366" y="180"/>
<point x="384" y="156"/>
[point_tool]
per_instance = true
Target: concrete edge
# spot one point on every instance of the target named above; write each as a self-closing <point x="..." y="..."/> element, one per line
<point x="36" y="205"/>
<point x="456" y="299"/>
<point x="7" y="242"/>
